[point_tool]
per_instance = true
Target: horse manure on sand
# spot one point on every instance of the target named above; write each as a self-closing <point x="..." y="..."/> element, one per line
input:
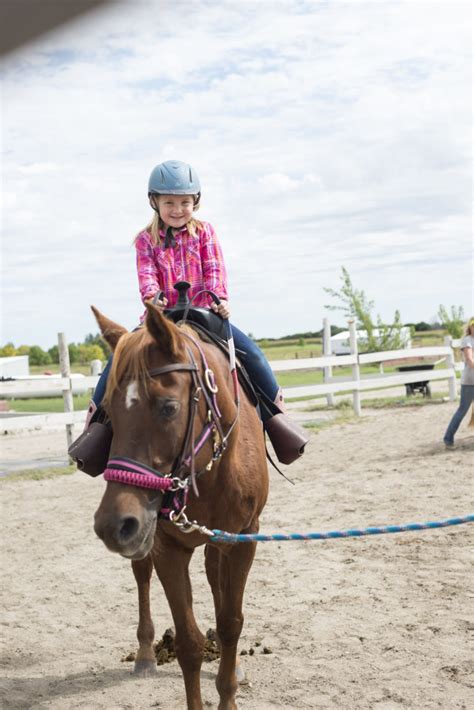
<point x="165" y="650"/>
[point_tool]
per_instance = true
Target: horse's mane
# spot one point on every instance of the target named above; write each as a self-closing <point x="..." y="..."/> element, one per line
<point x="131" y="359"/>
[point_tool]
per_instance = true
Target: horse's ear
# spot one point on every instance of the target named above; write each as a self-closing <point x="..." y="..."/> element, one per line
<point x="111" y="332"/>
<point x="163" y="330"/>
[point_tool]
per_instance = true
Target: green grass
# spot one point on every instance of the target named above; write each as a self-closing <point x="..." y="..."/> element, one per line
<point x="403" y="402"/>
<point x="274" y="350"/>
<point x="383" y="403"/>
<point x="343" y="404"/>
<point x="38" y="474"/>
<point x="426" y="338"/>
<point x="294" y="378"/>
<point x="290" y="349"/>
<point x="343" y="417"/>
<point x="284" y="350"/>
<point x="48" y="404"/>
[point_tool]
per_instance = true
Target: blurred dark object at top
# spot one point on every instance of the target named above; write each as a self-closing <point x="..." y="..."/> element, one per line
<point x="22" y="21"/>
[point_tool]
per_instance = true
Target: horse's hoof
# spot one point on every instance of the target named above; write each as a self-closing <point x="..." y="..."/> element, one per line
<point x="145" y="668"/>
<point x="240" y="675"/>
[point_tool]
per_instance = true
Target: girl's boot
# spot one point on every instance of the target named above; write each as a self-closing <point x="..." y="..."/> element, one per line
<point x="288" y="438"/>
<point x="90" y="450"/>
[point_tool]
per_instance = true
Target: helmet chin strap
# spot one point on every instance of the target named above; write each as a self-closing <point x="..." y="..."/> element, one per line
<point x="170" y="240"/>
<point x="151" y="200"/>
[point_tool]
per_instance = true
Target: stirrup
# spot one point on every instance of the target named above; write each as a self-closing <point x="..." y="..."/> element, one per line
<point x="90" y="451"/>
<point x="288" y="439"/>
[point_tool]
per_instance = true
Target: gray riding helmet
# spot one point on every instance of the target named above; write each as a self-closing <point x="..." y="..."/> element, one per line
<point x="173" y="177"/>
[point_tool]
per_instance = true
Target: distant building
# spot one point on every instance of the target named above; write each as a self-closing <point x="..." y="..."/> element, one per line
<point x="340" y="343"/>
<point x="15" y="366"/>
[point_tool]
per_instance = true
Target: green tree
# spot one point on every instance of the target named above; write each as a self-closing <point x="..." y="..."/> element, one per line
<point x="38" y="356"/>
<point x="54" y="354"/>
<point x="23" y="350"/>
<point x="74" y="355"/>
<point x="8" y="350"/>
<point x="452" y="321"/>
<point x="90" y="352"/>
<point x="355" y="305"/>
<point x="97" y="339"/>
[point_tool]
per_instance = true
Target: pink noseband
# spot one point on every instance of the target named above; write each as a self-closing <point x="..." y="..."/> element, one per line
<point x="123" y="470"/>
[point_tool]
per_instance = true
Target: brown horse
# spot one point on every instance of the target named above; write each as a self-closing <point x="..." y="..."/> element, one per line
<point x="173" y="407"/>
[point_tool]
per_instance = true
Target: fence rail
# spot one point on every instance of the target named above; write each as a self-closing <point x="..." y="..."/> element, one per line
<point x="41" y="421"/>
<point x="354" y="383"/>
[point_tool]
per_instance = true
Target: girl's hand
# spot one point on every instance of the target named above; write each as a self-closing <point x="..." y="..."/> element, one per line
<point x="160" y="304"/>
<point x="222" y="309"/>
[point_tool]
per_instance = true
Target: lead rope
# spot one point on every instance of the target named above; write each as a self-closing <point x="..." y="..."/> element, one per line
<point x="215" y="535"/>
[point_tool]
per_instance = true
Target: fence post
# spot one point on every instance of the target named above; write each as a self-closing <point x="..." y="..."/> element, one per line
<point x="327" y="371"/>
<point x="355" y="368"/>
<point x="450" y="362"/>
<point x="96" y="367"/>
<point x="67" y="393"/>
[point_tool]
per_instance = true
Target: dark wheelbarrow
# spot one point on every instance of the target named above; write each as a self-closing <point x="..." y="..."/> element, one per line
<point x="423" y="386"/>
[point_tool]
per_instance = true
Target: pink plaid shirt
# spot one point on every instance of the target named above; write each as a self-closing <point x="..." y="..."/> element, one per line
<point x="197" y="259"/>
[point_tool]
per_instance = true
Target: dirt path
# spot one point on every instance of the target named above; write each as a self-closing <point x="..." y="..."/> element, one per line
<point x="374" y="623"/>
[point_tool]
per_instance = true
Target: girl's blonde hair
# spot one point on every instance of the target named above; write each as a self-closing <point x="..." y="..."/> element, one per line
<point x="469" y="325"/>
<point x="153" y="228"/>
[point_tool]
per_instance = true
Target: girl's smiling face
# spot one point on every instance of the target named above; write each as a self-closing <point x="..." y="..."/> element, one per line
<point x="175" y="210"/>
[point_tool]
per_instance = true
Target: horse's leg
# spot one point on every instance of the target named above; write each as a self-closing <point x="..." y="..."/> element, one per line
<point x="145" y="661"/>
<point x="172" y="565"/>
<point x="232" y="576"/>
<point x="212" y="556"/>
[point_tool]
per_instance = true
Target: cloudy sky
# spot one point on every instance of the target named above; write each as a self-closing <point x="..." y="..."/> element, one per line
<point x="325" y="133"/>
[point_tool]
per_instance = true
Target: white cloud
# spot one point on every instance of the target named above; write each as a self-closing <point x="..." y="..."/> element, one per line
<point x="277" y="182"/>
<point x="324" y="134"/>
<point x="38" y="168"/>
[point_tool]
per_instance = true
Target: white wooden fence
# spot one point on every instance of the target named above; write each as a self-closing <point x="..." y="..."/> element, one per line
<point x="355" y="383"/>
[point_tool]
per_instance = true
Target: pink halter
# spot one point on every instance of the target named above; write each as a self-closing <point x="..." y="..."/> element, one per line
<point x="133" y="473"/>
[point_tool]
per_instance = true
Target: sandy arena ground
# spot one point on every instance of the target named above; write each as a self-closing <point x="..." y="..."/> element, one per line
<point x="378" y="623"/>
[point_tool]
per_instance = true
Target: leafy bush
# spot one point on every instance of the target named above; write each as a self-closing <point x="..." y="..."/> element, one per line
<point x="87" y="353"/>
<point x="8" y="350"/>
<point x="355" y="305"/>
<point x="37" y="356"/>
<point x="453" y="322"/>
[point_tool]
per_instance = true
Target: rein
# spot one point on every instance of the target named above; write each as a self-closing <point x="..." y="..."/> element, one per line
<point x="177" y="483"/>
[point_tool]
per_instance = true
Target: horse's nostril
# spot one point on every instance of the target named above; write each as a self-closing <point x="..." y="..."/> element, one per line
<point x="128" y="528"/>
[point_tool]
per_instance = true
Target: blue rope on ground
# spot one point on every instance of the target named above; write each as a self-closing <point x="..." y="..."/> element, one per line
<point x="221" y="536"/>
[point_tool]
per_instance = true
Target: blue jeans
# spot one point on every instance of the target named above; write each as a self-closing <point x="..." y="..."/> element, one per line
<point x="467" y="397"/>
<point x="255" y="363"/>
<point x="99" y="391"/>
<point x="254" y="360"/>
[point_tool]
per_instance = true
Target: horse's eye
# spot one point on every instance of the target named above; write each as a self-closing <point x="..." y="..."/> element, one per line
<point x="168" y="408"/>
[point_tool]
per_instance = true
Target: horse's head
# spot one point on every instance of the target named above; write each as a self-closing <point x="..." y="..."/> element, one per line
<point x="149" y="416"/>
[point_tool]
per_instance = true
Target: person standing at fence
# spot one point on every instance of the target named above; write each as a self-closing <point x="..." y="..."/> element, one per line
<point x="467" y="385"/>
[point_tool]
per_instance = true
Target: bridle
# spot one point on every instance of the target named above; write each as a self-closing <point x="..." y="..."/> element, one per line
<point x="184" y="474"/>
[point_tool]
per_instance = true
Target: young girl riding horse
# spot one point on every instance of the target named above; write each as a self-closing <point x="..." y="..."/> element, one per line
<point x="174" y="247"/>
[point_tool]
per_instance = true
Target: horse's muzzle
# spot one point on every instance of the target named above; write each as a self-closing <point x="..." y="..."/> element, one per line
<point x="129" y="535"/>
